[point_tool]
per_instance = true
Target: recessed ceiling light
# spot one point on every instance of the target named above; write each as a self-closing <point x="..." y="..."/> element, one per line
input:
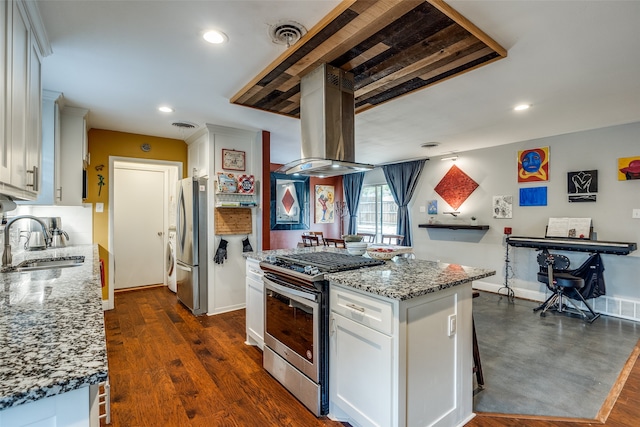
<point x="165" y="109"/>
<point x="522" y="107"/>
<point x="215" y="37"/>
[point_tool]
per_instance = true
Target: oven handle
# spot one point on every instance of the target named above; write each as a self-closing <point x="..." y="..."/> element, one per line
<point x="289" y="291"/>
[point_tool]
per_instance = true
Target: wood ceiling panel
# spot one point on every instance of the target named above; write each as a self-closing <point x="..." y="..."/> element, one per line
<point x="393" y="47"/>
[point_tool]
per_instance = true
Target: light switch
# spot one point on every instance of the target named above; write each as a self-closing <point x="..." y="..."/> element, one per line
<point x="635" y="214"/>
<point x="99" y="207"/>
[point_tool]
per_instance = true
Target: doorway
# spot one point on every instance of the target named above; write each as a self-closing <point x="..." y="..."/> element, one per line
<point x="141" y="195"/>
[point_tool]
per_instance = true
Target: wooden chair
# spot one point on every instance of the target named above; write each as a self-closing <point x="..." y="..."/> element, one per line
<point x="392" y="239"/>
<point x="317" y="234"/>
<point x="309" y="240"/>
<point x="367" y="237"/>
<point x="338" y="243"/>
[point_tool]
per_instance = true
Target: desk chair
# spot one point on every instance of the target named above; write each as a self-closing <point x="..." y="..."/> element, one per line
<point x="309" y="240"/>
<point x="338" y="243"/>
<point x="392" y="239"/>
<point x="555" y="273"/>
<point x="367" y="237"/>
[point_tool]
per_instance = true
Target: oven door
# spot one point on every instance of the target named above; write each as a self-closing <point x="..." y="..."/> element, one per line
<point x="292" y="324"/>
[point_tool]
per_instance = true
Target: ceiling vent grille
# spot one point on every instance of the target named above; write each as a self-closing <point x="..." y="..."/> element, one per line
<point x="287" y="32"/>
<point x="184" y="125"/>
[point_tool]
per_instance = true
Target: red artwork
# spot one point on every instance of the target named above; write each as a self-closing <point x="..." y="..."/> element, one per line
<point x="455" y="187"/>
<point x="287" y="201"/>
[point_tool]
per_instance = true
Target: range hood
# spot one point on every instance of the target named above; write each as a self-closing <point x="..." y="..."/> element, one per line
<point x="327" y="114"/>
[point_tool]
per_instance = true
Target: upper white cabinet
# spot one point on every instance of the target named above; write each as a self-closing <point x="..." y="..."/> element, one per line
<point x="22" y="45"/>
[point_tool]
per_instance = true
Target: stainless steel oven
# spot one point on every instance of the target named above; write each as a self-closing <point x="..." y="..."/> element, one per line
<point x="294" y="352"/>
<point x="296" y="337"/>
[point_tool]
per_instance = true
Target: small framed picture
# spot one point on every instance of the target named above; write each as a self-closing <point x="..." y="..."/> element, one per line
<point x="233" y="160"/>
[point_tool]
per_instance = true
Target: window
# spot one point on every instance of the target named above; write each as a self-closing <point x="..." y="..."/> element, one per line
<point x="377" y="211"/>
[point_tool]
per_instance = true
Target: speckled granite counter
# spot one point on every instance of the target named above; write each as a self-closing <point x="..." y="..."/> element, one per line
<point x="400" y="278"/>
<point x="52" y="336"/>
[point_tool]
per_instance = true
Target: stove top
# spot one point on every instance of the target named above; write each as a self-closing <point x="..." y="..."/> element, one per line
<point x="313" y="265"/>
<point x="329" y="262"/>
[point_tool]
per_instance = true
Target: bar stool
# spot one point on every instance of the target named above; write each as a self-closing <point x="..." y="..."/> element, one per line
<point x="338" y="243"/>
<point x="477" y="365"/>
<point x="308" y="240"/>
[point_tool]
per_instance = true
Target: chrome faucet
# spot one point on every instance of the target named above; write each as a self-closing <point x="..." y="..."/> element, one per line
<point x="6" y="255"/>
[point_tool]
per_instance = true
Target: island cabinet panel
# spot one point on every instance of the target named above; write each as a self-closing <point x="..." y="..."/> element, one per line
<point x="361" y="382"/>
<point x="255" y="304"/>
<point x="412" y="369"/>
<point x="69" y="409"/>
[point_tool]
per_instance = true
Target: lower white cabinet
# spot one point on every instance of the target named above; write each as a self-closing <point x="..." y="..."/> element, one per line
<point x="255" y="304"/>
<point x="401" y="363"/>
<point x="362" y="374"/>
<point x="70" y="409"/>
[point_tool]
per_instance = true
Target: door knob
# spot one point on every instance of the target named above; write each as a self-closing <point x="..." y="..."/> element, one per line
<point x="160" y="233"/>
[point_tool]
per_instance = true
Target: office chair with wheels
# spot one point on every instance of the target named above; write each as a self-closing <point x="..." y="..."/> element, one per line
<point x="555" y="273"/>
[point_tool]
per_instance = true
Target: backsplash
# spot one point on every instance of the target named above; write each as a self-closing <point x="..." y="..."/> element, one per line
<point x="77" y="221"/>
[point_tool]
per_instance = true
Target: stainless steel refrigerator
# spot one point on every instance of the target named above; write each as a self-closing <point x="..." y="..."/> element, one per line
<point x="191" y="244"/>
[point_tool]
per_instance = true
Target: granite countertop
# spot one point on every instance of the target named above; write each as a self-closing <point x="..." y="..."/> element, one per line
<point x="400" y="278"/>
<point x="52" y="337"/>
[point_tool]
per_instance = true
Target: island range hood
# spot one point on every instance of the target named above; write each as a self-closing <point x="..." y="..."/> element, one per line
<point x="327" y="115"/>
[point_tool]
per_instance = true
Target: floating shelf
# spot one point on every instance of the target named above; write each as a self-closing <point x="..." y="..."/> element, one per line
<point x="236" y="200"/>
<point x="455" y="226"/>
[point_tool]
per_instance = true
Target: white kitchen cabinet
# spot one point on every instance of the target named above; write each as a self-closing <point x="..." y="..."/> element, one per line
<point x="198" y="157"/>
<point x="70" y="409"/>
<point x="401" y="363"/>
<point x="255" y="304"/>
<point x="22" y="45"/>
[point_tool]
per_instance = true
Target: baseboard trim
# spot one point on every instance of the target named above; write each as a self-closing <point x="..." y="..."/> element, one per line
<point x="622" y="308"/>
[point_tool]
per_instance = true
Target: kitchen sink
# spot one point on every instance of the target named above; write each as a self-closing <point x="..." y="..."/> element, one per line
<point x="46" y="264"/>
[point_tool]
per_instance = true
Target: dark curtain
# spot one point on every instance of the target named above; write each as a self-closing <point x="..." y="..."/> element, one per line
<point x="352" y="187"/>
<point x="403" y="179"/>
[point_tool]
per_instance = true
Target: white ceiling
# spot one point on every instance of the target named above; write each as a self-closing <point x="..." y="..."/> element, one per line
<point x="576" y="62"/>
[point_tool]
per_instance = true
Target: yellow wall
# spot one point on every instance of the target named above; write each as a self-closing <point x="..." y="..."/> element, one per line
<point x="106" y="143"/>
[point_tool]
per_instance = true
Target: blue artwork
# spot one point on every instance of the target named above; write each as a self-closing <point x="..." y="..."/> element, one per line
<point x="533" y="196"/>
<point x="432" y="207"/>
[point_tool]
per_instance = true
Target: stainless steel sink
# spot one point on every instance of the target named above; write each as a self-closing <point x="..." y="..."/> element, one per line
<point x="46" y="264"/>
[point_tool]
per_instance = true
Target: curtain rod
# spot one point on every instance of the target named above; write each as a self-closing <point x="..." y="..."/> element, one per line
<point x="401" y="161"/>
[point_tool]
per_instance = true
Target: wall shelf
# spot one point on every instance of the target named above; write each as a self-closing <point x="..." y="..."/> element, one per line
<point x="455" y="226"/>
<point x="236" y="200"/>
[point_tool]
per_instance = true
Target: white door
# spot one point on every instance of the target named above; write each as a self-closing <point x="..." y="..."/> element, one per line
<point x="138" y="225"/>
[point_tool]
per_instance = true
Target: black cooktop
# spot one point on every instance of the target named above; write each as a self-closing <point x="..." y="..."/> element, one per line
<point x="329" y="262"/>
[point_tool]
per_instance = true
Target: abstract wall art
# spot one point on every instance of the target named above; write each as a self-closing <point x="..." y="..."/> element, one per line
<point x="533" y="165"/>
<point x="455" y="187"/>
<point x="289" y="202"/>
<point x="432" y="207"/>
<point x="628" y="168"/>
<point x="325" y="199"/>
<point x="533" y="196"/>
<point x="503" y="207"/>
<point x="582" y="186"/>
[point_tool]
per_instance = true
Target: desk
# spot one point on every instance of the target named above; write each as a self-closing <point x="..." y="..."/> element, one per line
<point x="578" y="245"/>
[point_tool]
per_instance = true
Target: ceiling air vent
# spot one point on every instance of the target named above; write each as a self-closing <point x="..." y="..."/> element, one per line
<point x="184" y="125"/>
<point x="286" y="32"/>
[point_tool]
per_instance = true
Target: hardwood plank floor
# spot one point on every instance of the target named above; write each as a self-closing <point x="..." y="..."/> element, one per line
<point x="169" y="368"/>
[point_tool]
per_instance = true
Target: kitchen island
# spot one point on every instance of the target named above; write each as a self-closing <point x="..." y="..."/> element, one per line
<point x="400" y="341"/>
<point x="52" y="341"/>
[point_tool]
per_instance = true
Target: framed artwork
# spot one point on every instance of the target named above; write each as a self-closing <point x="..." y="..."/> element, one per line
<point x="432" y="207"/>
<point x="455" y="187"/>
<point x="233" y="160"/>
<point x="533" y="196"/>
<point x="503" y="207"/>
<point x="582" y="186"/>
<point x="628" y="168"/>
<point x="289" y="202"/>
<point x="325" y="199"/>
<point x="533" y="165"/>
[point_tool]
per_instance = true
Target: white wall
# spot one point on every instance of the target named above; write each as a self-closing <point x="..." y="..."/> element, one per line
<point x="495" y="169"/>
<point x="77" y="221"/>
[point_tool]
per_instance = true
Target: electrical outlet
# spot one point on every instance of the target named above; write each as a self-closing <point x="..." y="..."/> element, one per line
<point x="635" y="214"/>
<point x="452" y="324"/>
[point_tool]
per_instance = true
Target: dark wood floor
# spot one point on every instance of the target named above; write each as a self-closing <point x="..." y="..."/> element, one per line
<point x="169" y="368"/>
